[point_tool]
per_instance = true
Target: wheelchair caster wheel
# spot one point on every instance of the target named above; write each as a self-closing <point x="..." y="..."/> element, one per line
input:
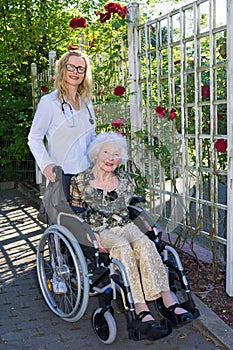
<point x="104" y="326"/>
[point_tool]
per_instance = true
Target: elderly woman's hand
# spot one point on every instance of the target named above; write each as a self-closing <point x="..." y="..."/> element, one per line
<point x="101" y="248"/>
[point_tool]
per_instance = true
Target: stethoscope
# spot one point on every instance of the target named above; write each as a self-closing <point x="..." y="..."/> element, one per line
<point x="64" y="103"/>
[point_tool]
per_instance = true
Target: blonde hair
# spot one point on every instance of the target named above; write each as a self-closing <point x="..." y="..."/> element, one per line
<point x="60" y="68"/>
<point x="108" y="137"/>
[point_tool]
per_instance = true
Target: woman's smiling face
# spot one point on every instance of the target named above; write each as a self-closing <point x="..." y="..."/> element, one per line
<point x="109" y="157"/>
<point x="74" y="78"/>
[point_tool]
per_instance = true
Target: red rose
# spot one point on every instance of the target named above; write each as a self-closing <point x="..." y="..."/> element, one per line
<point x="123" y="12"/>
<point x="73" y="47"/>
<point x="221" y="145"/>
<point x="112" y="7"/>
<point x="78" y="23"/>
<point x="172" y="114"/>
<point x="205" y="91"/>
<point x="44" y="88"/>
<point x="119" y="122"/>
<point x="52" y="79"/>
<point x="119" y="90"/>
<point x="160" y="111"/>
<point x="101" y="91"/>
<point x="104" y="17"/>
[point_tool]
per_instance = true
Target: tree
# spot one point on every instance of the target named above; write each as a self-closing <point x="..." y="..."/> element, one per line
<point x="29" y="30"/>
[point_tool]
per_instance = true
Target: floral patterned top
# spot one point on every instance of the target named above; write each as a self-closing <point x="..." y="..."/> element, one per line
<point x="101" y="209"/>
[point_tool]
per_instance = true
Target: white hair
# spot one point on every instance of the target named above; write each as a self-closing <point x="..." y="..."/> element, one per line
<point x="108" y="137"/>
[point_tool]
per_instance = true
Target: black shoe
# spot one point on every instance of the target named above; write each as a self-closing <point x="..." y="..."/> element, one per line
<point x="177" y="320"/>
<point x="150" y="330"/>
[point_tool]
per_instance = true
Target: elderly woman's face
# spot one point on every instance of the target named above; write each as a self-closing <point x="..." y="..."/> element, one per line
<point x="109" y="157"/>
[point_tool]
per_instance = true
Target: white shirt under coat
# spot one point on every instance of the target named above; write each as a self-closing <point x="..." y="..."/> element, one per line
<point x="68" y="135"/>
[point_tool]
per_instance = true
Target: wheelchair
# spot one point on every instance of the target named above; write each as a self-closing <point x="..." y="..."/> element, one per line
<point x="70" y="268"/>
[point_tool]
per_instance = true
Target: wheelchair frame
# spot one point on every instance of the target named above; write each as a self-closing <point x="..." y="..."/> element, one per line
<point x="66" y="258"/>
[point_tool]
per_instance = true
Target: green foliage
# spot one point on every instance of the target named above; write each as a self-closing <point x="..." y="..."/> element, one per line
<point x="13" y="134"/>
<point x="30" y="29"/>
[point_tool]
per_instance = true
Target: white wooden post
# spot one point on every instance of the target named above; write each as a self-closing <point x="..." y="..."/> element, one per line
<point x="34" y="85"/>
<point x="34" y="103"/>
<point x="229" y="277"/>
<point x="52" y="57"/>
<point x="134" y="74"/>
<point x="135" y="108"/>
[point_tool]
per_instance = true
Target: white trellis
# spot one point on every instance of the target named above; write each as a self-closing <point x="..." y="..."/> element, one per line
<point x="179" y="59"/>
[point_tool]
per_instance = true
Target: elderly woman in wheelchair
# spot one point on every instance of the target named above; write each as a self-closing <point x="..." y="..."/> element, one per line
<point x="102" y="198"/>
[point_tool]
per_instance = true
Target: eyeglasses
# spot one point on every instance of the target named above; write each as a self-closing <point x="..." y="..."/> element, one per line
<point x="72" y="68"/>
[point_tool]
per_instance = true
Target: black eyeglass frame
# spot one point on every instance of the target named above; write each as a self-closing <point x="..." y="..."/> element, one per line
<point x="79" y="69"/>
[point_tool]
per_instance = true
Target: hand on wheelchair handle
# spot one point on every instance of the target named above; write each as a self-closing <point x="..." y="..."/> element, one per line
<point x="49" y="172"/>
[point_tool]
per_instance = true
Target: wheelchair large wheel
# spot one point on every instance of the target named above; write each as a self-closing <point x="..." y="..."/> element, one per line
<point x="104" y="326"/>
<point x="62" y="273"/>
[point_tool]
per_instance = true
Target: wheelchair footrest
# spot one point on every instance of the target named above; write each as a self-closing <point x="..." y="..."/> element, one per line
<point x="138" y="330"/>
<point x="190" y="306"/>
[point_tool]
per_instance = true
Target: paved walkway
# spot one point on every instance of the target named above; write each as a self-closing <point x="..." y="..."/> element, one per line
<point x="26" y="323"/>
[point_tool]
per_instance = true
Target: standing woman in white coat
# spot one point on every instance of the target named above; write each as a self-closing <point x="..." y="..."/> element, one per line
<point x="65" y="118"/>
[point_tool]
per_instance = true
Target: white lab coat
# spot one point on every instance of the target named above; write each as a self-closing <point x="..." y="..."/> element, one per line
<point x="68" y="135"/>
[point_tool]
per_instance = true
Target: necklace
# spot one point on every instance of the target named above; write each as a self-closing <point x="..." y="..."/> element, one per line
<point x="104" y="187"/>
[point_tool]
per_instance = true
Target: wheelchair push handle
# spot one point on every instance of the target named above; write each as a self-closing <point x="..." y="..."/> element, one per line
<point x="58" y="172"/>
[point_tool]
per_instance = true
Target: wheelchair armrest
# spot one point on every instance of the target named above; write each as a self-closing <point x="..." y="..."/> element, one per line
<point x="157" y="239"/>
<point x="135" y="199"/>
<point x="66" y="208"/>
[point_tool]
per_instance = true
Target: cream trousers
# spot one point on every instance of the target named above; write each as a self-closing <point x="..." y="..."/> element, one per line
<point x="144" y="267"/>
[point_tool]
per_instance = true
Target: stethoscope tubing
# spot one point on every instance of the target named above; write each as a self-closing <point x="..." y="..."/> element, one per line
<point x="91" y="119"/>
